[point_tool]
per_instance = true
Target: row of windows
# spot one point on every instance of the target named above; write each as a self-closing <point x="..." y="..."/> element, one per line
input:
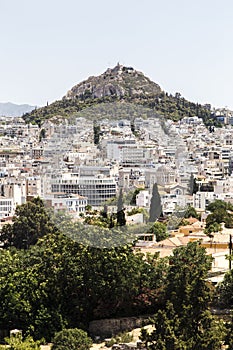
<point x="57" y="188"/>
<point x="5" y="209"/>
<point x="6" y="203"/>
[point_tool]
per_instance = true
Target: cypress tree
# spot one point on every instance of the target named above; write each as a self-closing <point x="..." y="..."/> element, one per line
<point x="155" y="205"/>
<point x="121" y="221"/>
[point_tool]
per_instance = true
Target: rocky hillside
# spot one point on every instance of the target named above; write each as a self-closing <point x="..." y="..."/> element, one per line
<point x="121" y="85"/>
<point x="120" y="81"/>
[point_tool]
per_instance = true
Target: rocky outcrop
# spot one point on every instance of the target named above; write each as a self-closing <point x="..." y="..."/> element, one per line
<point x="119" y="81"/>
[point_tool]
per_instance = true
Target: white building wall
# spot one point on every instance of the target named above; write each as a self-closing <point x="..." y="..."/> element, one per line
<point x="143" y="199"/>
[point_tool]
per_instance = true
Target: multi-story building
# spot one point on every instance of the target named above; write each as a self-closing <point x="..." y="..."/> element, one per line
<point x="7" y="207"/>
<point x="73" y="203"/>
<point x="114" y="147"/>
<point x="97" y="188"/>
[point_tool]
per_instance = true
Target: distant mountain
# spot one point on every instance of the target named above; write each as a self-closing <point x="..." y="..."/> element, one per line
<point x="9" y="109"/>
<point x="122" y="85"/>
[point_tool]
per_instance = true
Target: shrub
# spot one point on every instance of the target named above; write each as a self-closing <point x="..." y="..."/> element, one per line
<point x="71" y="339"/>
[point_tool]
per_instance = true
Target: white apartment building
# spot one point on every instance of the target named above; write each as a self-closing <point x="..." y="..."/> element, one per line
<point x="114" y="147"/>
<point x="97" y="188"/>
<point x="224" y="185"/>
<point x="7" y="207"/>
<point x="143" y="199"/>
<point x="131" y="155"/>
<point x="202" y="199"/>
<point x="73" y="203"/>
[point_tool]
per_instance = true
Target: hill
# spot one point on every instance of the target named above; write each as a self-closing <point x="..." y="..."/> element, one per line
<point x="122" y="85"/>
<point x="9" y="109"/>
<point x="119" y="81"/>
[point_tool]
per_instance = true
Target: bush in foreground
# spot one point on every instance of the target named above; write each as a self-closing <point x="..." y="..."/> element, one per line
<point x="71" y="339"/>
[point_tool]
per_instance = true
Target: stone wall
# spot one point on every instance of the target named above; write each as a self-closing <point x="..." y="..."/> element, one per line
<point x="107" y="328"/>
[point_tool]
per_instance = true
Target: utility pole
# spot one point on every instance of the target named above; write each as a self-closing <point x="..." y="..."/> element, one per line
<point x="230" y="251"/>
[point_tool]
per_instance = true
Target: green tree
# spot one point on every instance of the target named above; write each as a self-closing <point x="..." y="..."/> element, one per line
<point x="71" y="339"/>
<point x="160" y="231"/>
<point x="121" y="221"/>
<point x="191" y="212"/>
<point x="165" y="335"/>
<point x="42" y="134"/>
<point x="225" y="290"/>
<point x="219" y="204"/>
<point x="31" y="221"/>
<point x="229" y="334"/>
<point x="155" y="205"/>
<point x="186" y="322"/>
<point x="220" y="212"/>
<point x="189" y="292"/>
<point x="59" y="283"/>
<point x="192" y="185"/>
<point x="18" y="343"/>
<point x="212" y="228"/>
<point x="96" y="130"/>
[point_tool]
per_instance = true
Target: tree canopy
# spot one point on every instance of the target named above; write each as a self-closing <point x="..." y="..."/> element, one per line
<point x="31" y="222"/>
<point x="220" y="212"/>
<point x="160" y="231"/>
<point x="60" y="282"/>
<point x="186" y="322"/>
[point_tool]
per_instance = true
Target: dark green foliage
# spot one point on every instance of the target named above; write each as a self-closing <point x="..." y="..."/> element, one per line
<point x="42" y="135"/>
<point x="212" y="228"/>
<point x="186" y="322"/>
<point x="187" y="287"/>
<point x="31" y="221"/>
<point x="104" y="213"/>
<point x="225" y="289"/>
<point x="134" y="195"/>
<point x="121" y="221"/>
<point x="132" y="126"/>
<point x="165" y="336"/>
<point x="219" y="204"/>
<point x="96" y="131"/>
<point x="71" y="339"/>
<point x="192" y="186"/>
<point x="159" y="103"/>
<point x="155" y="205"/>
<point x="160" y="231"/>
<point x="191" y="212"/>
<point x="59" y="283"/>
<point x="221" y="212"/>
<point x="229" y="334"/>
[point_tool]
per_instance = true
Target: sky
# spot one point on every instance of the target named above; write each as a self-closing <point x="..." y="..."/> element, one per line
<point x="48" y="46"/>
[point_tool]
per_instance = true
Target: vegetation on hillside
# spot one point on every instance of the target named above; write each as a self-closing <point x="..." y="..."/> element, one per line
<point x="119" y="93"/>
<point x="163" y="105"/>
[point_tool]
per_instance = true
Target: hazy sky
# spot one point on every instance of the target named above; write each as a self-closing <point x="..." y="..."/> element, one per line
<point x="47" y="46"/>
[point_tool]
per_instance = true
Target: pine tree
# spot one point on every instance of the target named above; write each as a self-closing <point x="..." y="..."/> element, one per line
<point x="155" y="205"/>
